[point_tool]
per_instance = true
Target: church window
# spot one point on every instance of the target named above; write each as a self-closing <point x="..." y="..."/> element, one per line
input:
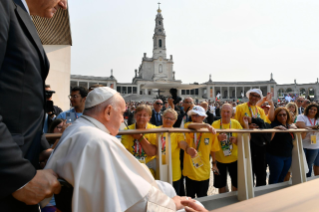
<point x="159" y="22"/>
<point x="160" y="43"/>
<point x="160" y="30"/>
<point x="183" y="92"/>
<point x="160" y="68"/>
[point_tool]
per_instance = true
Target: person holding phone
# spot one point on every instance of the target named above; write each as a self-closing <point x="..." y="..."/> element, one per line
<point x="77" y="99"/>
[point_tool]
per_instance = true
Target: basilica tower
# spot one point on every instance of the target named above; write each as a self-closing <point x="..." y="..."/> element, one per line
<point x="159" y="37"/>
<point x="157" y="68"/>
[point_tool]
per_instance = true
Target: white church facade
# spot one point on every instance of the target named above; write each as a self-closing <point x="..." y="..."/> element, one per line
<point x="156" y="74"/>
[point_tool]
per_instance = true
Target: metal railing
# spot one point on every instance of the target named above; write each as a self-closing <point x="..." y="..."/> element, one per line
<point x="245" y="175"/>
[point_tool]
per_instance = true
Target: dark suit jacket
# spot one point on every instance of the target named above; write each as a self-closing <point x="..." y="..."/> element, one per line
<point x="131" y="119"/>
<point x="153" y="120"/>
<point x="210" y="118"/>
<point x="23" y="70"/>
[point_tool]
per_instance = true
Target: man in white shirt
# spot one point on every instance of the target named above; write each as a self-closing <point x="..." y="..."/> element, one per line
<point x="104" y="175"/>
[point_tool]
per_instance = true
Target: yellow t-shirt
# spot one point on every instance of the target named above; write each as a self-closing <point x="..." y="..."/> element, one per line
<point x="176" y="162"/>
<point x="220" y="155"/>
<point x="242" y="109"/>
<point x="135" y="148"/>
<point x="207" y="145"/>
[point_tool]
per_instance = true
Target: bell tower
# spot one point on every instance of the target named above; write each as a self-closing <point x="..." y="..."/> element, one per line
<point x="159" y="37"/>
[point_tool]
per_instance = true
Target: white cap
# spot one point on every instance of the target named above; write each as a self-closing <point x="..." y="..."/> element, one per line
<point x="98" y="95"/>
<point x="197" y="110"/>
<point x="255" y="90"/>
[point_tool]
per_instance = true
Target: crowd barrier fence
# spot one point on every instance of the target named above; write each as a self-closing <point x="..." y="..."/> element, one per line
<point x="246" y="188"/>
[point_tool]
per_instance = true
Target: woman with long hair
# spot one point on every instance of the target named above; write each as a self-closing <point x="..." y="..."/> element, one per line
<point x="310" y="140"/>
<point x="279" y="150"/>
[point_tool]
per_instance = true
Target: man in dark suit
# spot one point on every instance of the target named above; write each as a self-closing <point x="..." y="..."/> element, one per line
<point x="299" y="103"/>
<point x="23" y="70"/>
<point x="157" y="113"/>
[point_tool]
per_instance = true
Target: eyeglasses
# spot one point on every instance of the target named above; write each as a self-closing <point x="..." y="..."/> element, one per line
<point x="158" y="103"/>
<point x="73" y="96"/>
<point x="300" y="101"/>
<point x="168" y="118"/>
<point x="282" y="114"/>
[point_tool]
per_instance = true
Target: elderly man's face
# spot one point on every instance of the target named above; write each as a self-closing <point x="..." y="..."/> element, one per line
<point x="226" y="112"/>
<point x="45" y="8"/>
<point x="117" y="116"/>
<point x="254" y="98"/>
<point x="187" y="103"/>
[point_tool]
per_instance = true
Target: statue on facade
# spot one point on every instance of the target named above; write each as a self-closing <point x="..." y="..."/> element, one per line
<point x="135" y="72"/>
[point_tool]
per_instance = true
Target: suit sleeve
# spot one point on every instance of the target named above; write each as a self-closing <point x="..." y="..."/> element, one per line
<point x="4" y="28"/>
<point x="15" y="171"/>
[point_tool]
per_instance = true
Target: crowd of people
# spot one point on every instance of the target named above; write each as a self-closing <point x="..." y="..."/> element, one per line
<point x="272" y="150"/>
<point x="195" y="155"/>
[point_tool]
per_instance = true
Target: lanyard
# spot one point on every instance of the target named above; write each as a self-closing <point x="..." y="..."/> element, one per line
<point x="221" y="127"/>
<point x="138" y="148"/>
<point x="311" y="122"/>
<point x="197" y="142"/>
<point x="163" y="140"/>
<point x="251" y="112"/>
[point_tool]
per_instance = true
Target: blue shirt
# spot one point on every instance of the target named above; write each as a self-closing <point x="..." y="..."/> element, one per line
<point x="74" y="115"/>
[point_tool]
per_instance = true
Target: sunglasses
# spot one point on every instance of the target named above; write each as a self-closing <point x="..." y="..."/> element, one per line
<point x="158" y="103"/>
<point x="282" y="114"/>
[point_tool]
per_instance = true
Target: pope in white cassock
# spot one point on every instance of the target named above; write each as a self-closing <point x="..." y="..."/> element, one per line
<point x="104" y="175"/>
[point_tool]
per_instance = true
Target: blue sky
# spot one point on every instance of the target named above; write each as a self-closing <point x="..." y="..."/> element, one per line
<point x="239" y="40"/>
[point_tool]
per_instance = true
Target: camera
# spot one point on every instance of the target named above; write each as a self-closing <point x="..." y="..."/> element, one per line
<point x="48" y="94"/>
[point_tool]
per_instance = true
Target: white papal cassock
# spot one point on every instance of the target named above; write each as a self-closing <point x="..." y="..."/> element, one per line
<point x="105" y="176"/>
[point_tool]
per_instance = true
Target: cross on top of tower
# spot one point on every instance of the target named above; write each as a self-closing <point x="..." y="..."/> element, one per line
<point x="159" y="9"/>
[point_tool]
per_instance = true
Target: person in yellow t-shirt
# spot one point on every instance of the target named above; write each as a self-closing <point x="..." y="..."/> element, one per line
<point x="226" y="158"/>
<point x="197" y="170"/>
<point x="142" y="147"/>
<point x="177" y="143"/>
<point x="258" y="153"/>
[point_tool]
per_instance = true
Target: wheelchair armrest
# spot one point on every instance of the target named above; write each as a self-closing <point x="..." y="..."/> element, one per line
<point x="63" y="200"/>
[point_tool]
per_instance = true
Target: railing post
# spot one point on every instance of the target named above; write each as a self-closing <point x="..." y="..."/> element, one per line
<point x="169" y="157"/>
<point x="164" y="171"/>
<point x="298" y="163"/>
<point x="245" y="176"/>
<point x="159" y="168"/>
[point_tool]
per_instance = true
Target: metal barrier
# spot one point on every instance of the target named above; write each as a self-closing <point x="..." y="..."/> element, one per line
<point x="246" y="189"/>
